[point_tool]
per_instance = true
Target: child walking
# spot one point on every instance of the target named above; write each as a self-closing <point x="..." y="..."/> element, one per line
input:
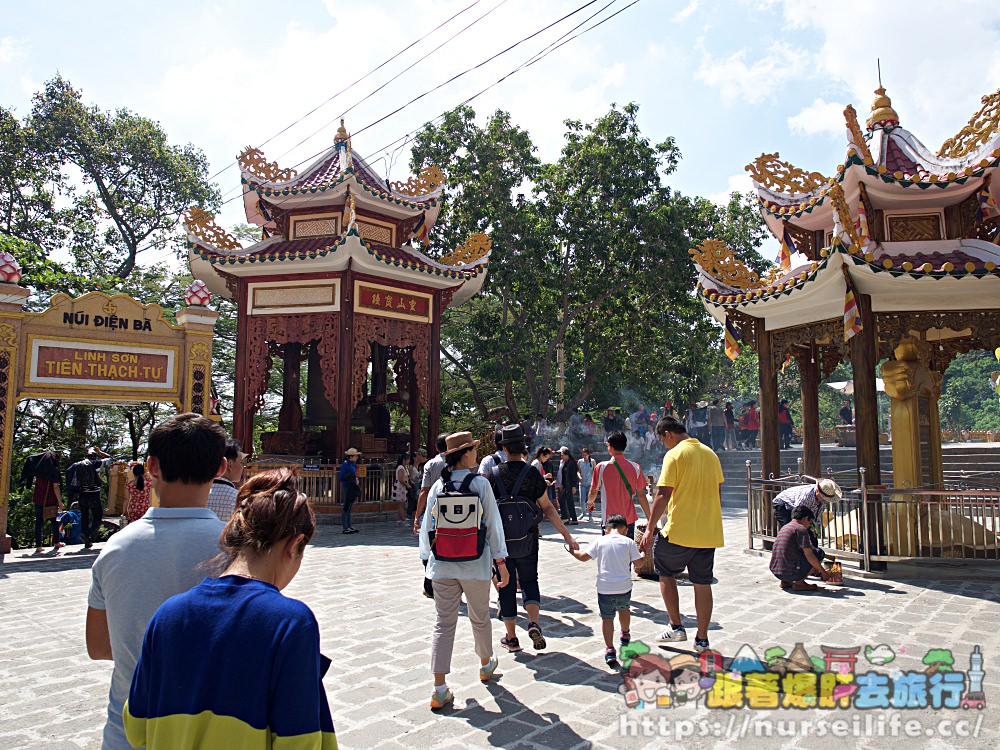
<point x="614" y="553"/>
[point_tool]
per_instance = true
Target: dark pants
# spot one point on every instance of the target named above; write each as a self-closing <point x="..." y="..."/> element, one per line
<point x="784" y="435"/>
<point x="718" y="438"/>
<point x="411" y="501"/>
<point x="782" y="515"/>
<point x="351" y="492"/>
<point x="800" y="572"/>
<point x="523" y="571"/>
<point x="91" y="515"/>
<point x="567" y="504"/>
<point x="40" y="524"/>
<point x="428" y="583"/>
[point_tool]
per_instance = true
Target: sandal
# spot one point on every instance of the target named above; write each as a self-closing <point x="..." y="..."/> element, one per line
<point x="803" y="586"/>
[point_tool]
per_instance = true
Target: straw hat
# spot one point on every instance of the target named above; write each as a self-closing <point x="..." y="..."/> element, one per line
<point x="353" y="452"/>
<point x="828" y="489"/>
<point x="458" y="441"/>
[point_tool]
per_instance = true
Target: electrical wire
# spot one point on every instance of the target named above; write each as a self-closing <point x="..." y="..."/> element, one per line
<point x="344" y="90"/>
<point x="537" y="57"/>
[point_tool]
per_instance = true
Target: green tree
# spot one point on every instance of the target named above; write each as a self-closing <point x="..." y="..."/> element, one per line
<point x="138" y="184"/>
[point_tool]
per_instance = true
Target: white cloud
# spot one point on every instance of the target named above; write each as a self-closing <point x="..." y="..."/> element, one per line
<point x="736" y="183"/>
<point x="753" y="82"/>
<point x="686" y="12"/>
<point x="818" y="118"/>
<point x="12" y="48"/>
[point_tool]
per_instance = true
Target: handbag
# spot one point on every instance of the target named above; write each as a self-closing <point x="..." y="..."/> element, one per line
<point x="49" y="512"/>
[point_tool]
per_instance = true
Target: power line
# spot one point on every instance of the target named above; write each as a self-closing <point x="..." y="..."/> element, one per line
<point x="319" y="106"/>
<point x="537" y="57"/>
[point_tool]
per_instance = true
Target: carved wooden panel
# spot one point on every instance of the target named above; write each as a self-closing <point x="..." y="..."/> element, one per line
<point x="375" y="233"/>
<point x="983" y="327"/>
<point x="913" y="228"/>
<point x="391" y="332"/>
<point x="315" y="227"/>
<point x="267" y="333"/>
<point x="803" y="240"/>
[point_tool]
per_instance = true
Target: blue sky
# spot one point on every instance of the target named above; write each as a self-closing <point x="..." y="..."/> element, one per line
<point x="728" y="80"/>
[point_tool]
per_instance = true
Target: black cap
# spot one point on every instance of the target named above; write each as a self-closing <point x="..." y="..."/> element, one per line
<point x="510" y="433"/>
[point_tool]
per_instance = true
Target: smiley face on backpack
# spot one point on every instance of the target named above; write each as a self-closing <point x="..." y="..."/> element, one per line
<point x="458" y="513"/>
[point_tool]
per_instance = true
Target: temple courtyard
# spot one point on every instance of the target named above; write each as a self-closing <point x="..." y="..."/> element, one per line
<point x="376" y="626"/>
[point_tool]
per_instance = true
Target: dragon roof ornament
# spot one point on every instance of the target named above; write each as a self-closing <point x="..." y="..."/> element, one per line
<point x="768" y="171"/>
<point x="201" y="223"/>
<point x="252" y="160"/>
<point x="429" y="179"/>
<point x="475" y="247"/>
<point x="856" y="138"/>
<point x="982" y="126"/>
<point x="718" y="261"/>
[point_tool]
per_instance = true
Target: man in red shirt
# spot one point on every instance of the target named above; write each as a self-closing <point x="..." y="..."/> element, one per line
<point x="619" y="480"/>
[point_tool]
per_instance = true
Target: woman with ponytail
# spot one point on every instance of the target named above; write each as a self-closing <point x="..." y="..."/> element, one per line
<point x="233" y="663"/>
<point x="138" y="493"/>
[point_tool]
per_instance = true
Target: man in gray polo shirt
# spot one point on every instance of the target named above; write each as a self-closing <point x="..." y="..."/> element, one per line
<point x="163" y="553"/>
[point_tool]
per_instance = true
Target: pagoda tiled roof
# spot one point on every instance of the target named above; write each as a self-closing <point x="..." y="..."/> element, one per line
<point x="271" y="251"/>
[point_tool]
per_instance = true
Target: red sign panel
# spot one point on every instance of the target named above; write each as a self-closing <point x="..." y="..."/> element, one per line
<point x="392" y="301"/>
<point x="83" y="365"/>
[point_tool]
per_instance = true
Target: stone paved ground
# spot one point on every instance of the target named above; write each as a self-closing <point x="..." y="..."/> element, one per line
<point x="376" y="627"/>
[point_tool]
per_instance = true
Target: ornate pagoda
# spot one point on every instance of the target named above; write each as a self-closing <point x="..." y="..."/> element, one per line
<point x="893" y="257"/>
<point x="336" y="290"/>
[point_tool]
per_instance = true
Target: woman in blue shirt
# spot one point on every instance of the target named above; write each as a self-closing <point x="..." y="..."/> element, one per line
<point x="472" y="578"/>
<point x="349" y="488"/>
<point x="233" y="663"/>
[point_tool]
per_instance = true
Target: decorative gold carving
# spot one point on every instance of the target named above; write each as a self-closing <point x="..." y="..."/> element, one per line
<point x="474" y="248"/>
<point x="8" y="337"/>
<point x="843" y="213"/>
<point x="982" y="126"/>
<point x="718" y="261"/>
<point x="200" y="351"/>
<point x="857" y="137"/>
<point x="429" y="179"/>
<point x="771" y="172"/>
<point x="979" y="329"/>
<point x="252" y="160"/>
<point x="202" y="224"/>
<point x="771" y="276"/>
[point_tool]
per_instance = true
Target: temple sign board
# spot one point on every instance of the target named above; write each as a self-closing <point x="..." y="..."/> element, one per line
<point x="100" y="349"/>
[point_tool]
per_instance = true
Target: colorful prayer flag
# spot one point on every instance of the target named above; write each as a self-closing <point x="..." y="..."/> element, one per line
<point x="787" y="248"/>
<point x="852" y="316"/>
<point x="986" y="203"/>
<point x="421" y="230"/>
<point x="732" y="340"/>
<point x="784" y="365"/>
<point x="862" y="224"/>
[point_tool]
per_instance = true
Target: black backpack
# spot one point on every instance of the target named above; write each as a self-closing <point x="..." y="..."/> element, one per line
<point x="458" y="533"/>
<point x="520" y="515"/>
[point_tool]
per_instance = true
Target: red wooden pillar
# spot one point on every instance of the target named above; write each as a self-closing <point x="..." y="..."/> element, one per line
<point x="345" y="399"/>
<point x="434" y="378"/>
<point x="809" y="372"/>
<point x="243" y="401"/>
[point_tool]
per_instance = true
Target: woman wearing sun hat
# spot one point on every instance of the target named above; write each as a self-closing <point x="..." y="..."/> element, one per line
<point x="350" y="487"/>
<point x="472" y="577"/>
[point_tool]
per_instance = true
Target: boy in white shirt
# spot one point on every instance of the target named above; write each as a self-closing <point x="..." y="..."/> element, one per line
<point x="615" y="554"/>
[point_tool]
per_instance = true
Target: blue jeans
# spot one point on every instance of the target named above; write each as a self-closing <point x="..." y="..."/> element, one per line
<point x="523" y="570"/>
<point x="350" y="493"/>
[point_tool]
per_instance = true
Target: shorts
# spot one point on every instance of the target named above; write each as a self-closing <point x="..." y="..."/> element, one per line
<point x="611" y="603"/>
<point x="670" y="559"/>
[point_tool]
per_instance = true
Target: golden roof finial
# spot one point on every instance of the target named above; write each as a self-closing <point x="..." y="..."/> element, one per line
<point x="882" y="112"/>
<point x="341" y="132"/>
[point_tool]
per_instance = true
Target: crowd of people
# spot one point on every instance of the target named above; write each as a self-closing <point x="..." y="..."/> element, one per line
<point x="225" y="548"/>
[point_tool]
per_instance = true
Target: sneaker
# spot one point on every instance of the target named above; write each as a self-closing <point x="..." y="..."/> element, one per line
<point x="535" y="634"/>
<point x="672" y="635"/>
<point x="439" y="701"/>
<point x="701" y="644"/>
<point x="609" y="657"/>
<point x="487" y="671"/>
<point x="626" y="638"/>
<point x="511" y="643"/>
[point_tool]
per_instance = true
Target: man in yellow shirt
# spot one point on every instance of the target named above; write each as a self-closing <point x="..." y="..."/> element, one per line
<point x="690" y="491"/>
